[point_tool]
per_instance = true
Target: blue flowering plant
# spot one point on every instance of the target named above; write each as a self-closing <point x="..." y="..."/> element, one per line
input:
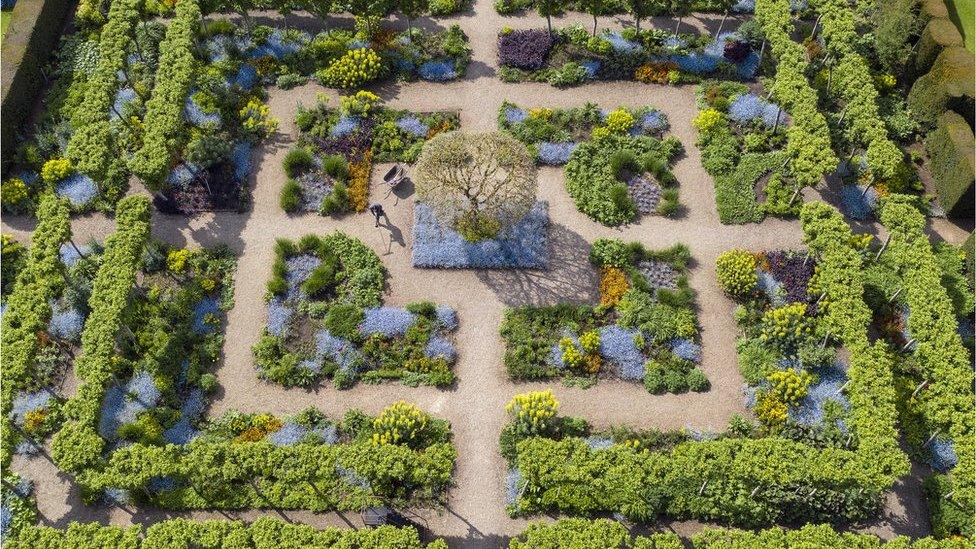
<point x="326" y="321"/>
<point x="643" y="329"/>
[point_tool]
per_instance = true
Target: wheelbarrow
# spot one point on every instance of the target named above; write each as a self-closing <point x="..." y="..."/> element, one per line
<point x="393" y="178"/>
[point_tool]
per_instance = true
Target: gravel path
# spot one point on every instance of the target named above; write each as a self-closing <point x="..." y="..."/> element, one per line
<point x="475" y="513"/>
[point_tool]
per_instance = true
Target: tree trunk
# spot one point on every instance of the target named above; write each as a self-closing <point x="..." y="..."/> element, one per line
<point x="594" y="24"/>
<point x="722" y="24"/>
<point x="637" y="23"/>
<point x="549" y="23"/>
<point x="676" y="26"/>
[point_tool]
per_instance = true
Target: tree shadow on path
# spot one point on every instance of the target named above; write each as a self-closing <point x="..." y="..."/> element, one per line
<point x="569" y="278"/>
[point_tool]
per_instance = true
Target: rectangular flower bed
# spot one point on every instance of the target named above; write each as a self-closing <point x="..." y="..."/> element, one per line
<point x="571" y="55"/>
<point x="329" y="171"/>
<point x="743" y="141"/>
<point x="325" y="320"/>
<point x="524" y="245"/>
<point x="644" y="329"/>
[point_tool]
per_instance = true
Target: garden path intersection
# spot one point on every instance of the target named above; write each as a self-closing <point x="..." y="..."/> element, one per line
<point x="475" y="513"/>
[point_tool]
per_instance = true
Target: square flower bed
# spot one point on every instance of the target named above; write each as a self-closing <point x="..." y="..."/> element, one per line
<point x="325" y="320"/>
<point x="329" y="170"/>
<point x="644" y="329"/>
<point x="524" y="245"/>
<point x="571" y="55"/>
<point x="553" y="134"/>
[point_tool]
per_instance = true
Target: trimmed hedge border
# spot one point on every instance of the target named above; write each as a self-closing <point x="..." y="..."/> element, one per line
<point x="952" y="163"/>
<point x="945" y="364"/>
<point x="35" y="27"/>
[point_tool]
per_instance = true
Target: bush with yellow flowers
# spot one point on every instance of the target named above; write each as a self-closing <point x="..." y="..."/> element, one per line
<point x="770" y="410"/>
<point x="13" y="192"/>
<point x="400" y="423"/>
<point x="790" y="386"/>
<point x="256" y="119"/>
<point x="355" y="68"/>
<point x="620" y="120"/>
<point x="359" y="103"/>
<point x="706" y="120"/>
<point x="55" y="170"/>
<point x="736" y="271"/>
<point x="785" y="326"/>
<point x="176" y="260"/>
<point x="572" y="356"/>
<point x="613" y="286"/>
<point x="533" y="413"/>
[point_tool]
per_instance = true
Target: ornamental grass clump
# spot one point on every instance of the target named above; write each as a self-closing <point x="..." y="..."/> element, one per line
<point x="534" y="413"/>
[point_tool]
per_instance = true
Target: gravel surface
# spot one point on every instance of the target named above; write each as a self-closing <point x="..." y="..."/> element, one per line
<point x="475" y="512"/>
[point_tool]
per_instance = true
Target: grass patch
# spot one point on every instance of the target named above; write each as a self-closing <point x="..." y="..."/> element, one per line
<point x="963" y="14"/>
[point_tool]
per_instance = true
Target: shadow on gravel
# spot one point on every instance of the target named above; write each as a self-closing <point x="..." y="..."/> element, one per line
<point x="570" y="277"/>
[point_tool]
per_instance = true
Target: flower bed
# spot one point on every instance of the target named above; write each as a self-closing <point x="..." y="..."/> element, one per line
<point x="330" y="171"/>
<point x="742" y="138"/>
<point x="616" y="178"/>
<point x="524" y="245"/>
<point x="553" y="134"/>
<point x="325" y="321"/>
<point x="571" y="56"/>
<point x="644" y="329"/>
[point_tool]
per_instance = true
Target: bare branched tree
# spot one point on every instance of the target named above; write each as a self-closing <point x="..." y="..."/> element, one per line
<point x="478" y="183"/>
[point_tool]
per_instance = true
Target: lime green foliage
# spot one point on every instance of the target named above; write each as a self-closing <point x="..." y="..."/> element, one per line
<point x="790" y="386"/>
<point x="946" y="364"/>
<point x="355" y="68"/>
<point x="55" y="170"/>
<point x="963" y="14"/>
<point x="583" y="533"/>
<point x="400" y="423"/>
<point x="218" y="534"/>
<point x="736" y="271"/>
<point x="810" y="535"/>
<point x="785" y="326"/>
<point x="952" y="160"/>
<point x="28" y="310"/>
<point x="13" y="192"/>
<point x="533" y="412"/>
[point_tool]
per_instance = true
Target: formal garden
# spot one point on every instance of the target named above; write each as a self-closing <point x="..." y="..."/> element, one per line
<point x="510" y="273"/>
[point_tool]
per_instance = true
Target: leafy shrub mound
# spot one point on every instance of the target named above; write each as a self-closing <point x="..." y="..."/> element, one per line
<point x="524" y="49"/>
<point x="593" y="177"/>
<point x="325" y="321"/>
<point x="643" y="330"/>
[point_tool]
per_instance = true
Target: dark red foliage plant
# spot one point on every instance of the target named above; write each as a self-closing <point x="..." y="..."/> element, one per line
<point x="524" y="49"/>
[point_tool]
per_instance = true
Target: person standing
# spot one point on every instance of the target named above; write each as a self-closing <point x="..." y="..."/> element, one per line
<point x="377" y="210"/>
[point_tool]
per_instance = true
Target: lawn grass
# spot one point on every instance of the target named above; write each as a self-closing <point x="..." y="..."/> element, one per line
<point x="963" y="13"/>
<point x="4" y="22"/>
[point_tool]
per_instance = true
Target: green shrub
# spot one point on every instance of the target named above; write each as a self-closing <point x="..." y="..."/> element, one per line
<point x="291" y="195"/>
<point x="354" y="69"/>
<point x="952" y="161"/>
<point x="736" y="271"/>
<point x="951" y="78"/>
<point x="343" y="320"/>
<point x="697" y="381"/>
<point x="298" y="161"/>
<point x="570" y="74"/>
<point x="323" y="278"/>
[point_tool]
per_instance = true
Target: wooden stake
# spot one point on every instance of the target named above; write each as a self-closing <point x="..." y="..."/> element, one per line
<point x="883" y="248"/>
<point x="895" y="295"/>
<point x="702" y="489"/>
<point x="921" y="386"/>
<point x="909" y="344"/>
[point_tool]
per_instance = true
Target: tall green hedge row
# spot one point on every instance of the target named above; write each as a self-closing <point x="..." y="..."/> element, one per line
<point x="164" y="110"/>
<point x="90" y="147"/>
<point x="808" y="137"/>
<point x="952" y="162"/>
<point x="864" y="124"/>
<point x="77" y="445"/>
<point x="264" y="533"/>
<point x="28" y="307"/>
<point x="948" y="398"/>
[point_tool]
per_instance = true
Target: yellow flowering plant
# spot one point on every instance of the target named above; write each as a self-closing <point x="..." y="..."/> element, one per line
<point x="533" y="412"/>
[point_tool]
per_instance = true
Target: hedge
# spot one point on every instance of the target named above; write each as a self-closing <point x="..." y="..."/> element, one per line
<point x="33" y="33"/>
<point x="940" y="33"/>
<point x="590" y="534"/>
<point x="77" y="445"/>
<point x="747" y="482"/>
<point x="164" y="110"/>
<point x="90" y="147"/>
<point x="950" y="81"/>
<point x="808" y="137"/>
<point x="952" y="162"/>
<point x="946" y="365"/>
<point x="811" y="536"/>
<point x="260" y="475"/>
<point x="856" y="84"/>
<point x="28" y="307"/>
<point x="179" y="533"/>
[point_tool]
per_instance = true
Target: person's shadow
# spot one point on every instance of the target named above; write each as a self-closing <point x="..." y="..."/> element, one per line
<point x="396" y="235"/>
